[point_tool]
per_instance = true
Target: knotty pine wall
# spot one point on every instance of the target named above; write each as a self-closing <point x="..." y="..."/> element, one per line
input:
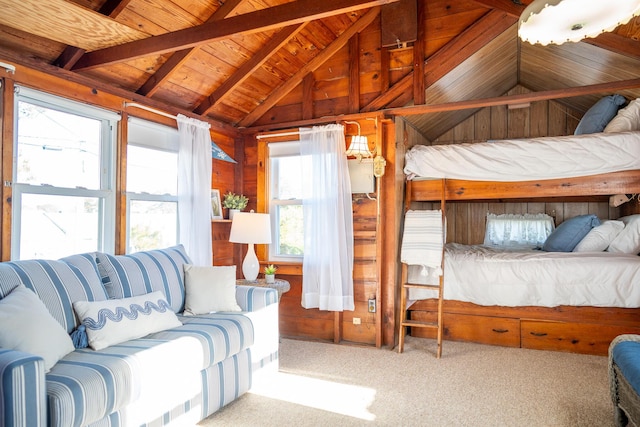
<point x="373" y="276"/>
<point x="466" y="221"/>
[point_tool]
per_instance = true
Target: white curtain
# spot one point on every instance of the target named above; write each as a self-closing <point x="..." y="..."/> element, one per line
<point x="327" y="281"/>
<point x="194" y="189"/>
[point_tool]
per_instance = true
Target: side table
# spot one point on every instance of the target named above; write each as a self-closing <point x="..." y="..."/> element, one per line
<point x="279" y="285"/>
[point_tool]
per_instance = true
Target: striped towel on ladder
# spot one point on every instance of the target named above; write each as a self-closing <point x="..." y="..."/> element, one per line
<point x="423" y="239"/>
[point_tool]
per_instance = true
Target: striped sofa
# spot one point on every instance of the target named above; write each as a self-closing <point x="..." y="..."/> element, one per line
<point x="176" y="376"/>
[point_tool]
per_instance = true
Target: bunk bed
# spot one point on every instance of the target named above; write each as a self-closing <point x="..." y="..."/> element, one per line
<point x="583" y="320"/>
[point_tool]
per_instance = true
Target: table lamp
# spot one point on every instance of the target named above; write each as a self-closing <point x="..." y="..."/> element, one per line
<point x="250" y="228"/>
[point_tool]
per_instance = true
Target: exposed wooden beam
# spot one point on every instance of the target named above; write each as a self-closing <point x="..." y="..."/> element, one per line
<point x="307" y="96"/>
<point x="449" y="56"/>
<point x="94" y="85"/>
<point x="261" y="20"/>
<point x="180" y="57"/>
<point x="256" y="61"/>
<point x="278" y="93"/>
<point x="616" y="43"/>
<point x="354" y="74"/>
<point x="419" y="96"/>
<point x="515" y="99"/>
<point x="513" y="8"/>
<point x="466" y="44"/>
<point x="72" y="54"/>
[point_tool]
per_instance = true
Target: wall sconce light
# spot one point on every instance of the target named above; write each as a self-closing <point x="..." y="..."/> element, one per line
<point x="559" y="21"/>
<point x="359" y="146"/>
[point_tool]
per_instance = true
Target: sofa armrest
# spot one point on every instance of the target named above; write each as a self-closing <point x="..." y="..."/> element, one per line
<point x="22" y="389"/>
<point x="253" y="298"/>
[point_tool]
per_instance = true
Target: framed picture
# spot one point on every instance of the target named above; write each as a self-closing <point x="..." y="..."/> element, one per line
<point x="216" y="205"/>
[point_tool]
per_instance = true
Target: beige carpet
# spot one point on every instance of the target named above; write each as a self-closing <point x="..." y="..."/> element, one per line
<point x="321" y="384"/>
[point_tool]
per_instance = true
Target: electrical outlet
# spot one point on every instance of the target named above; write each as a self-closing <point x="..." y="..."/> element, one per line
<point x="356" y="320"/>
<point x="372" y="305"/>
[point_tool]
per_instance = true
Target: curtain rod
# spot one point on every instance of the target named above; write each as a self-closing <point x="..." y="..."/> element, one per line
<point x="298" y="132"/>
<point x="153" y="110"/>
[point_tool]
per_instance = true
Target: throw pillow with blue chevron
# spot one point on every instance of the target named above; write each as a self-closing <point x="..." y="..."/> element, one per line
<point x="114" y="321"/>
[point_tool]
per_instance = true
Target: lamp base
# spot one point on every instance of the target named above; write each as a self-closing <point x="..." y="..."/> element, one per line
<point x="250" y="265"/>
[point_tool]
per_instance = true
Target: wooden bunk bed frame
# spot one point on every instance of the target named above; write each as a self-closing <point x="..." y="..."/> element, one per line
<point x="587" y="330"/>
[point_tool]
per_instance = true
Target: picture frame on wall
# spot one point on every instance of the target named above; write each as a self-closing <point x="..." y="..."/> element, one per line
<point x="216" y="204"/>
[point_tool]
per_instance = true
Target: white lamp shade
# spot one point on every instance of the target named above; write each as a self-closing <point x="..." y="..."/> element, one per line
<point x="558" y="21"/>
<point x="250" y="227"/>
<point x="359" y="147"/>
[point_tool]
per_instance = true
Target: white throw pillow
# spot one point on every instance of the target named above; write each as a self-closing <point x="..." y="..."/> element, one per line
<point x="627" y="119"/>
<point x="210" y="289"/>
<point x="600" y="237"/>
<point x="628" y="241"/>
<point x="28" y="326"/>
<point x="114" y="321"/>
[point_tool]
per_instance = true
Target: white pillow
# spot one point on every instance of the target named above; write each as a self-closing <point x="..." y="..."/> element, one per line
<point x="600" y="237"/>
<point x="28" y="326"/>
<point x="627" y="119"/>
<point x="114" y="321"/>
<point x="628" y="241"/>
<point x="210" y="289"/>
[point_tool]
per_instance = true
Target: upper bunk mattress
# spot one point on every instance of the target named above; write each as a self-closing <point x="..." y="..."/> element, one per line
<point x="527" y="159"/>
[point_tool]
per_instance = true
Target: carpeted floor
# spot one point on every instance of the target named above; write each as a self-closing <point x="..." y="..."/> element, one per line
<point x="321" y="384"/>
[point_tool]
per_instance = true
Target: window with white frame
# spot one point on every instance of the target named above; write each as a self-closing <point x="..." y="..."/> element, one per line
<point x="152" y="186"/>
<point x="285" y="201"/>
<point x="63" y="200"/>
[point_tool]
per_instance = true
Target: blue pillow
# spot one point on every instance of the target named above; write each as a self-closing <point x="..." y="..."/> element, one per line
<point x="568" y="234"/>
<point x="600" y="114"/>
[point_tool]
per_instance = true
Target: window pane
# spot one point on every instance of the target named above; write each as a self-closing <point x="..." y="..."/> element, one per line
<point x="290" y="231"/>
<point x="151" y="171"/>
<point x="56" y="226"/>
<point x="57" y="148"/>
<point x="288" y="184"/>
<point x="152" y="225"/>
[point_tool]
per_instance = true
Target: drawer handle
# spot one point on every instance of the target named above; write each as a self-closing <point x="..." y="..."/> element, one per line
<point x="500" y="331"/>
<point x="539" y="334"/>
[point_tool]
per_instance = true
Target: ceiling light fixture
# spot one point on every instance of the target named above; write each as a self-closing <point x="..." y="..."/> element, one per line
<point x="559" y="21"/>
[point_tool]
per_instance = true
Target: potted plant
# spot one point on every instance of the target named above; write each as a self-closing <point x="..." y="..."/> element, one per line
<point x="234" y="202"/>
<point x="270" y="273"/>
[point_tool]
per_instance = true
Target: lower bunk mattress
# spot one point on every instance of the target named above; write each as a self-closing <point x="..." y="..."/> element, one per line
<point x="512" y="278"/>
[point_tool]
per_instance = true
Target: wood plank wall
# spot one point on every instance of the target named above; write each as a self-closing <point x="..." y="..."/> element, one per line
<point x="466" y="221"/>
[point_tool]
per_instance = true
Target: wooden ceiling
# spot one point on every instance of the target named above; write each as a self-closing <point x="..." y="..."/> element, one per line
<point x="271" y="63"/>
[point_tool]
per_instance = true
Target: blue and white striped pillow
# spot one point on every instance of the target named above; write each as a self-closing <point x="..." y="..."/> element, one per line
<point x="58" y="283"/>
<point x="125" y="276"/>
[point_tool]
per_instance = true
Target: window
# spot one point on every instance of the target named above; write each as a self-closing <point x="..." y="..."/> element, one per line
<point x="152" y="186"/>
<point x="285" y="202"/>
<point x="63" y="200"/>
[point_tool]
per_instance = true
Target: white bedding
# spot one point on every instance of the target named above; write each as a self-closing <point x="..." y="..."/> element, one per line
<point x="488" y="276"/>
<point x="527" y="159"/>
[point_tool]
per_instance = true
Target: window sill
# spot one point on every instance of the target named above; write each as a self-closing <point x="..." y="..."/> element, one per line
<point x="287" y="268"/>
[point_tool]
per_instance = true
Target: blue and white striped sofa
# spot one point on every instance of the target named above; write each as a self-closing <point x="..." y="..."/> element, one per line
<point x="177" y="376"/>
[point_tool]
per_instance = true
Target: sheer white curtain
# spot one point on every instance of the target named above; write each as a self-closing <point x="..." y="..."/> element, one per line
<point x="518" y="230"/>
<point x="194" y="189"/>
<point x="327" y="281"/>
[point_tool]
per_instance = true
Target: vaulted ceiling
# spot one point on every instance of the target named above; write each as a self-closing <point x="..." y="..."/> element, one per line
<point x="270" y="63"/>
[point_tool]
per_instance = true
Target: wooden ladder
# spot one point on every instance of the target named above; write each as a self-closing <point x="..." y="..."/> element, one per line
<point x="405" y="322"/>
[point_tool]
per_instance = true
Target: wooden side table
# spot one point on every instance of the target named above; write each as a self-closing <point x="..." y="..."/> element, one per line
<point x="279" y="285"/>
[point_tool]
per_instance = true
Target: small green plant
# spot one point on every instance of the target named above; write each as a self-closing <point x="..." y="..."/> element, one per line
<point x="234" y="201"/>
<point x="270" y="269"/>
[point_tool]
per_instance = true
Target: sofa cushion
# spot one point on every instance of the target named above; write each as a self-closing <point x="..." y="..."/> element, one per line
<point x="210" y="289"/>
<point x="220" y="335"/>
<point x="57" y="283"/>
<point x="146" y="375"/>
<point x="28" y="326"/>
<point x="136" y="274"/>
<point x="115" y="321"/>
